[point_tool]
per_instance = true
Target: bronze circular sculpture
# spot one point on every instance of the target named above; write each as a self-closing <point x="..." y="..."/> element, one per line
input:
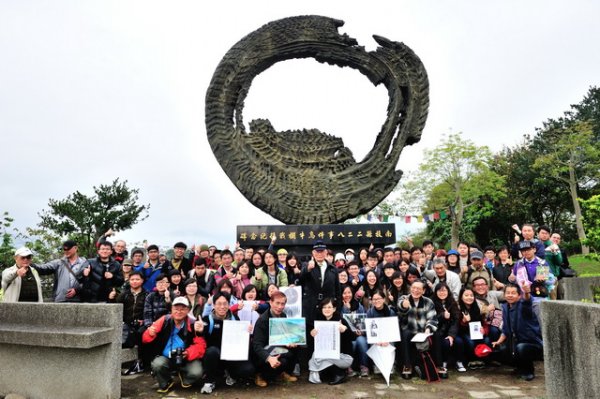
<point x="306" y="176"/>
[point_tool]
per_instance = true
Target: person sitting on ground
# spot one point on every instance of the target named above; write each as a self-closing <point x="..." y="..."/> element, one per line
<point x="418" y="315"/>
<point x="211" y="328"/>
<point x="359" y="343"/>
<point x="490" y="299"/>
<point x="337" y="366"/>
<point x="521" y="330"/>
<point x="447" y="344"/>
<point x="472" y="312"/>
<point x="178" y="348"/>
<point x="270" y="364"/>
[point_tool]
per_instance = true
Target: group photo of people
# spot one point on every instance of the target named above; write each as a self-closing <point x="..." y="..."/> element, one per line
<point x="454" y="310"/>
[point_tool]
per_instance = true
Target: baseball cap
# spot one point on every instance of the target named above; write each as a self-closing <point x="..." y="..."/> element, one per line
<point x="23" y="251"/>
<point x="181" y="301"/>
<point x="527" y="244"/>
<point x="128" y="262"/>
<point x="319" y="246"/>
<point x="339" y="256"/>
<point x="476" y="255"/>
<point x="69" y="244"/>
<point x="180" y="244"/>
<point x="349" y="250"/>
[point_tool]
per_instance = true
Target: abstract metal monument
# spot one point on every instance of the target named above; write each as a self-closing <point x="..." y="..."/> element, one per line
<point x="307" y="176"/>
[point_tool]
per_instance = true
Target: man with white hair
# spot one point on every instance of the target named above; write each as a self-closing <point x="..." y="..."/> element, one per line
<point x="20" y="282"/>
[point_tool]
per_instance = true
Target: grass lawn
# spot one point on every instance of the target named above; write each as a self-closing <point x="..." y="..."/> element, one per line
<point x="584" y="266"/>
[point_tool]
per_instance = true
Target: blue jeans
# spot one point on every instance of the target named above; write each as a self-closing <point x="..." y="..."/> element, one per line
<point x="360" y="348"/>
<point x="471" y="344"/>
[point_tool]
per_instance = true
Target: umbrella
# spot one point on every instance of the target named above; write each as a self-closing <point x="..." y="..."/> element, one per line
<point x="383" y="357"/>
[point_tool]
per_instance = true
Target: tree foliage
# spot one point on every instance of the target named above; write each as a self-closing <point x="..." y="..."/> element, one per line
<point x="456" y="176"/>
<point x="85" y="218"/>
<point x="591" y="222"/>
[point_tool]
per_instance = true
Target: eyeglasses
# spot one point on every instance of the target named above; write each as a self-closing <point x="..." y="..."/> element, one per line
<point x="28" y="257"/>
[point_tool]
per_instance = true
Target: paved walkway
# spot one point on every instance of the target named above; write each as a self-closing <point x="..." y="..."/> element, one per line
<point x="494" y="382"/>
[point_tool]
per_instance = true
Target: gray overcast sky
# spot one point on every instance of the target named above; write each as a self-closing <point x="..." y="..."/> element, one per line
<point x="94" y="90"/>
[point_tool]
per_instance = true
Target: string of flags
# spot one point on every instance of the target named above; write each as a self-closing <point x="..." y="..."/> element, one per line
<point x="430" y="217"/>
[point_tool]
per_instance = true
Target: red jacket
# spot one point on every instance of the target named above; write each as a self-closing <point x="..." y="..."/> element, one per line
<point x="194" y="345"/>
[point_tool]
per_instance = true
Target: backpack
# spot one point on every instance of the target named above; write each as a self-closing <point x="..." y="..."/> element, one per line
<point x="427" y="365"/>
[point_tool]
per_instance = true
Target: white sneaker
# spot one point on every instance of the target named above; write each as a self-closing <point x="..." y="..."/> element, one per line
<point x="296" y="371"/>
<point x="460" y="367"/>
<point x="208" y="387"/>
<point x="376" y="370"/>
<point x="445" y="365"/>
<point x="314" y="377"/>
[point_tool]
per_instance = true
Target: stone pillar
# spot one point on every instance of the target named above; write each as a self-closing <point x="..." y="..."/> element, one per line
<point x="571" y="332"/>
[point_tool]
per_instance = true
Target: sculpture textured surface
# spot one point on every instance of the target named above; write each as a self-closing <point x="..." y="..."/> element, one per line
<point x="307" y="176"/>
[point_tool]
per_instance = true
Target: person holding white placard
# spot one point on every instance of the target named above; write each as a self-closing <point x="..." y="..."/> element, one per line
<point x="352" y="306"/>
<point x="417" y="314"/>
<point x="344" y="359"/>
<point x="472" y="314"/>
<point x="211" y="327"/>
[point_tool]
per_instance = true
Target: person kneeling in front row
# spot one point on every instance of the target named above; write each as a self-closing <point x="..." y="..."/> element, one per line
<point x="180" y="347"/>
<point x="521" y="330"/>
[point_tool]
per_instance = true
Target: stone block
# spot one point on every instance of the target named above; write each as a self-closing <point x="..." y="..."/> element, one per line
<point x="52" y="350"/>
<point x="571" y="332"/>
<point x="577" y="288"/>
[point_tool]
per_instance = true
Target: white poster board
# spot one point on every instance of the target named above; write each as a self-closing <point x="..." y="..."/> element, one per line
<point x="327" y="340"/>
<point x="235" y="343"/>
<point x="475" y="330"/>
<point x="382" y="329"/>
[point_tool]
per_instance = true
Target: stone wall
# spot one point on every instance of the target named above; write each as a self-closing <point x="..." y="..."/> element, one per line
<point x="571" y="333"/>
<point x="577" y="288"/>
<point x="50" y="350"/>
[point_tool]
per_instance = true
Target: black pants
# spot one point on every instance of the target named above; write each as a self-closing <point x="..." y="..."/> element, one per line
<point x="524" y="356"/>
<point x="287" y="360"/>
<point x="215" y="367"/>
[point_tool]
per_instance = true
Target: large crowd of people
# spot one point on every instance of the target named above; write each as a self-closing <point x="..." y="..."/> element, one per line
<point x="478" y="307"/>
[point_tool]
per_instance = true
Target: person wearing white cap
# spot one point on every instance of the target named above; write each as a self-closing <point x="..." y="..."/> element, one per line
<point x="21" y="283"/>
<point x="178" y="347"/>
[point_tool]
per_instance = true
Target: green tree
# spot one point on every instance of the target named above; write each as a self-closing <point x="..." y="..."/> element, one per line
<point x="573" y="160"/>
<point x="591" y="222"/>
<point x="456" y="176"/>
<point x="85" y="218"/>
<point x="7" y="248"/>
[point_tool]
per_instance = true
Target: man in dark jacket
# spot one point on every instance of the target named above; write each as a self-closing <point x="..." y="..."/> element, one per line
<point x="102" y="275"/>
<point x="521" y="329"/>
<point x="133" y="317"/>
<point x="178" y="346"/>
<point x="269" y="364"/>
<point x="319" y="280"/>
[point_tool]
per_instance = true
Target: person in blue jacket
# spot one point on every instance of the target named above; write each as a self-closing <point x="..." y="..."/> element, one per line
<point x="521" y="330"/>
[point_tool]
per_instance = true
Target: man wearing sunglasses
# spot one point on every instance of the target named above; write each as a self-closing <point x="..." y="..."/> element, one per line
<point x="21" y="283"/>
<point x="68" y="273"/>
